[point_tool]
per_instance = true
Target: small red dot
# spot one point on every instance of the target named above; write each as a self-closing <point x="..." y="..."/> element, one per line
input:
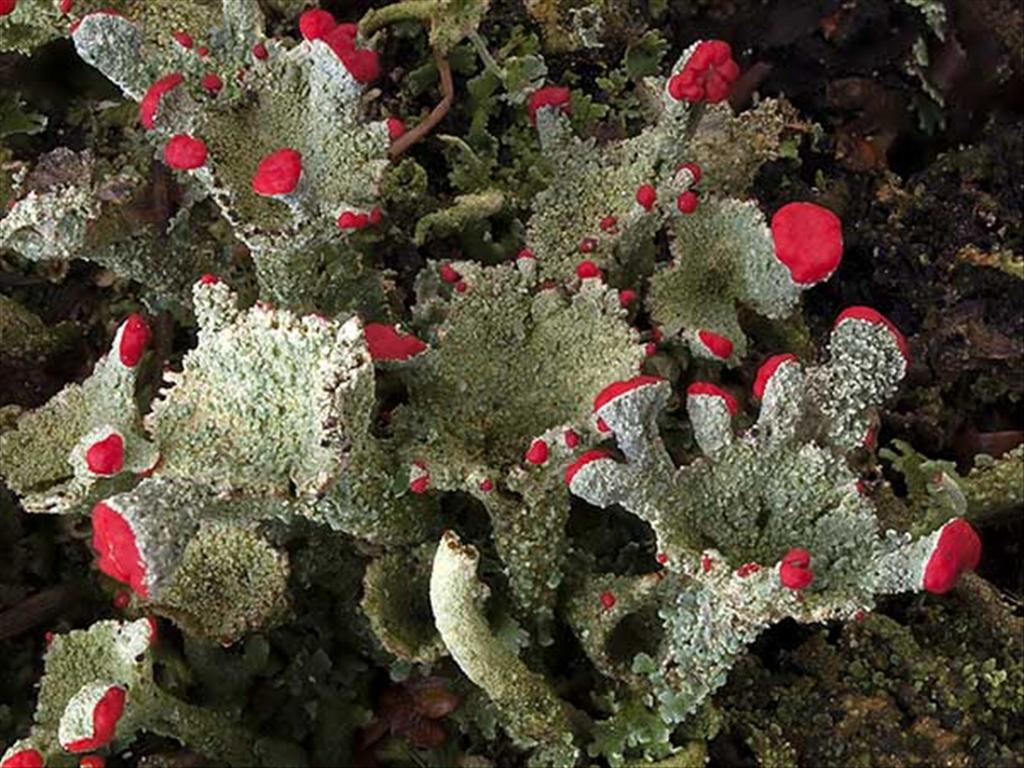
<point x="211" y="83"/>
<point x="694" y="170"/>
<point x="608" y="600"/>
<point x="538" y="452"/>
<point x="687" y="202"/>
<point x="646" y="196"/>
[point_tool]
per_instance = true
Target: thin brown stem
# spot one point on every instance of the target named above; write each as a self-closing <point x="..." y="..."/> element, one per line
<point x="437" y="114"/>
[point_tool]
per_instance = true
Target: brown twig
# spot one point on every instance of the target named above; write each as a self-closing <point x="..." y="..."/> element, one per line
<point x="42" y="607"/>
<point x="410" y="137"/>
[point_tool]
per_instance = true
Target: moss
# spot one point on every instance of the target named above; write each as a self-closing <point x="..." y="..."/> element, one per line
<point x="939" y="681"/>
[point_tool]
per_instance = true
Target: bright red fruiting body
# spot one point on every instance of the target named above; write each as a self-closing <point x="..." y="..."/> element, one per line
<point x="608" y="224"/>
<point x="588" y="457"/>
<point x="209" y="279"/>
<point x="487" y="485"/>
<point x="619" y="388"/>
<point x="342" y="39"/>
<point x="184" y="39"/>
<point x="747" y="568"/>
<point x="259" y="51"/>
<point x="699" y="388"/>
<point x="211" y="83"/>
<point x="114" y="542"/>
<point x="554" y="96"/>
<point x="626" y="297"/>
<point x="375" y="216"/>
<point x="706" y="563"/>
<point x="185" y="153"/>
<point x="66" y="6"/>
<point x="362" y="63"/>
<point x="662" y="558"/>
<point x="587" y="269"/>
<point x="395" y="127"/>
<point x="694" y="170"/>
<point x="646" y="196"/>
<point x="449" y="274"/>
<point x="92" y="761"/>
<point x="808" y="241"/>
<point x="650" y="349"/>
<point x="588" y="245"/>
<point x="23" y="758"/>
<point x="278" y="173"/>
<point x="957" y="550"/>
<point x="122" y="599"/>
<point x="869" y="315"/>
<point x="315" y="24"/>
<point x="135" y="339"/>
<point x="570" y="438"/>
<point x="708" y="75"/>
<point x="607" y="600"/>
<point x="385" y="342"/>
<point x="106" y="456"/>
<point x="7" y="7"/>
<point x="767" y="370"/>
<point x="795" y="570"/>
<point x="421" y="482"/>
<point x="151" y="101"/>
<point x="461" y="286"/>
<point x="687" y="202"/>
<point x="353" y="220"/>
<point x="203" y="51"/>
<point x="537" y="453"/>
<point x="527" y="254"/>
<point x="717" y="345"/>
<point x="105" y="715"/>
